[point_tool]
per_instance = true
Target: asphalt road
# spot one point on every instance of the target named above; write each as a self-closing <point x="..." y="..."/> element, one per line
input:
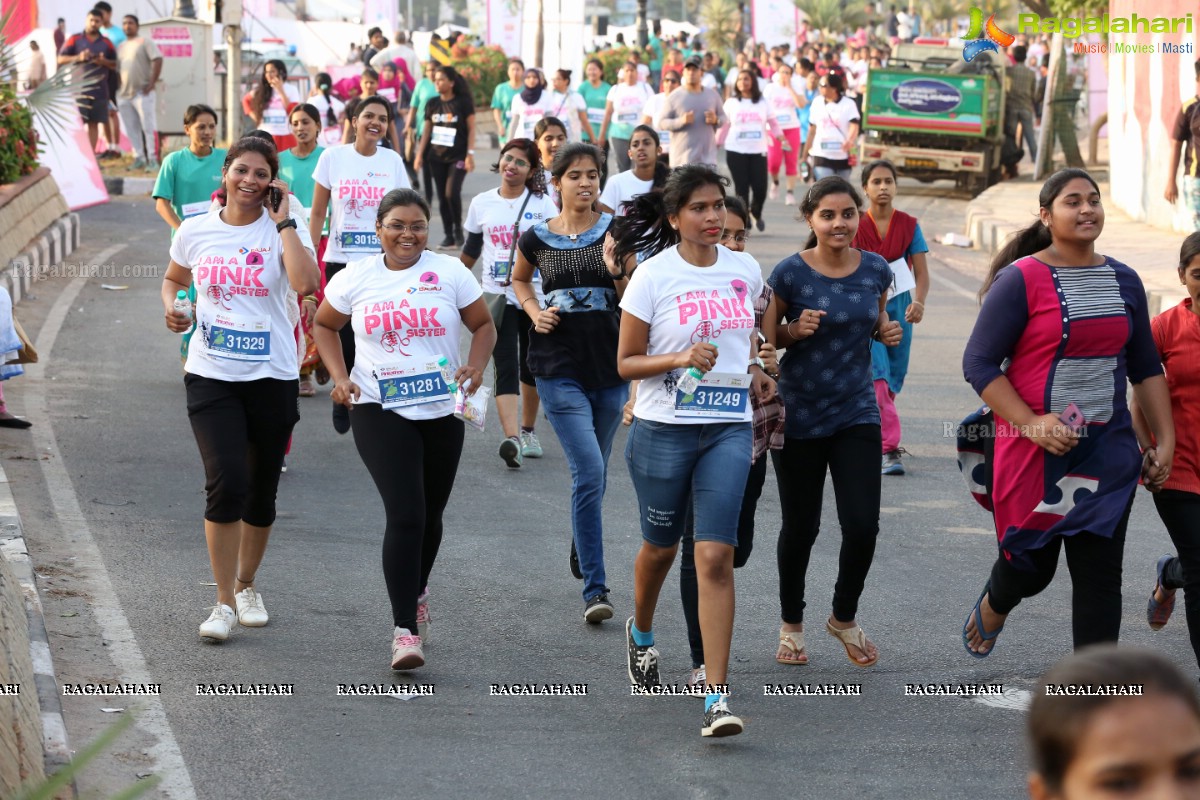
<point x="505" y="606"/>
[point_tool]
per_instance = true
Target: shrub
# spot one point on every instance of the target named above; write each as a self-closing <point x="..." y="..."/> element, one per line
<point x="483" y="70"/>
<point x="18" y="139"/>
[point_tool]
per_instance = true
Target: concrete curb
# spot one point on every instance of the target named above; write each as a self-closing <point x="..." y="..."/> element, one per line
<point x="12" y="543"/>
<point x="131" y="186"/>
<point x="53" y="245"/>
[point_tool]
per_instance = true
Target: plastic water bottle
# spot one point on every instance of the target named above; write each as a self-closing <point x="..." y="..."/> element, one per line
<point x="690" y="380"/>
<point x="182" y="306"/>
<point x="447" y="375"/>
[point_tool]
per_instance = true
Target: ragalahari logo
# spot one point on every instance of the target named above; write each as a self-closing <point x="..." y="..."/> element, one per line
<point x="984" y="37"/>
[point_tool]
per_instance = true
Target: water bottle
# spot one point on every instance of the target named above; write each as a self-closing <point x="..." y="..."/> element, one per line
<point x="690" y="380"/>
<point x="447" y="375"/>
<point x="182" y="306"/>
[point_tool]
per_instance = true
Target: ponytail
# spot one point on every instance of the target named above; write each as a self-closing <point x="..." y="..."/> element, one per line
<point x="323" y="83"/>
<point x="644" y="228"/>
<point x="661" y="173"/>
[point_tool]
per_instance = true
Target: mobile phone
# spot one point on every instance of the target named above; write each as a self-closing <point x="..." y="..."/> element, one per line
<point x="276" y="198"/>
<point x="1072" y="417"/>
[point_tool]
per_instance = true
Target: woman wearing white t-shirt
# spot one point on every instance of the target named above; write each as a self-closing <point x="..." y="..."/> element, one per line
<point x="495" y="220"/>
<point x="333" y="110"/>
<point x="622" y="112"/>
<point x="653" y="110"/>
<point x="549" y="135"/>
<point x="569" y="106"/>
<point x="833" y="125"/>
<point x="349" y="182"/>
<point x="745" y="133"/>
<point x="407" y="308"/>
<point x="268" y="104"/>
<point x="530" y="106"/>
<point x="647" y="172"/>
<point x="242" y="367"/>
<point x="690" y="446"/>
<point x="784" y="101"/>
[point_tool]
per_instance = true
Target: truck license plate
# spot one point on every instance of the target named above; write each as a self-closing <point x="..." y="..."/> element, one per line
<point x="920" y="163"/>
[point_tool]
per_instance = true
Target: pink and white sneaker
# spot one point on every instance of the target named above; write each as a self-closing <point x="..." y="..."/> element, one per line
<point x="423" y="616"/>
<point x="406" y="650"/>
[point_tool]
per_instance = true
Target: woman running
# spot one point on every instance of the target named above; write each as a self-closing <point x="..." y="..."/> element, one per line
<point x="1073" y="327"/>
<point x="549" y="135"/>
<point x="530" y="106"/>
<point x="1177" y="498"/>
<point x="403" y="410"/>
<point x="495" y="221"/>
<point x="448" y="141"/>
<point x="595" y="90"/>
<point x="833" y="300"/>
<point x="623" y="111"/>
<point x="569" y="106"/>
<point x="783" y="151"/>
<point x="269" y="103"/>
<point x="749" y="121"/>
<point x="648" y="172"/>
<point x="348" y="181"/>
<point x="689" y="442"/>
<point x="898" y="238"/>
<point x="240" y="377"/>
<point x="832" y="129"/>
<point x="573" y="349"/>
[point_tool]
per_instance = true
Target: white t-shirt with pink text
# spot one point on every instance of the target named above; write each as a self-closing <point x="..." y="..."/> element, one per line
<point x="749" y="123"/>
<point x="356" y="184"/>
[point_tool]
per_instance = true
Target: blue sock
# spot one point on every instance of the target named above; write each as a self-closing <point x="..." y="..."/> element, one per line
<point x="639" y="638"/>
<point x="711" y="698"/>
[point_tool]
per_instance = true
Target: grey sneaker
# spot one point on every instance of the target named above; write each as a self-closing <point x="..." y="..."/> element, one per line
<point x="510" y="451"/>
<point x="892" y="464"/>
<point x="530" y="446"/>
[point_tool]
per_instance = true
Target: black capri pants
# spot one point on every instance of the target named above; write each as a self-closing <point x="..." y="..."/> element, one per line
<point x="242" y="428"/>
<point x="511" y="354"/>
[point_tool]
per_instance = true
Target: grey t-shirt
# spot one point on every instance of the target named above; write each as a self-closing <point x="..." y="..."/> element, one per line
<point x="694" y="143"/>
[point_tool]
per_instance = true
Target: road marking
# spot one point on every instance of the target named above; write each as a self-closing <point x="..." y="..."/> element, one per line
<point x="953" y="286"/>
<point x="105" y="607"/>
<point x="1011" y="700"/>
<point x="979" y="531"/>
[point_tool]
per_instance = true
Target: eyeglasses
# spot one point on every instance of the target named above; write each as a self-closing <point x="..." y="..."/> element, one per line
<point x="740" y="238"/>
<point x="416" y="229"/>
<point x="516" y="162"/>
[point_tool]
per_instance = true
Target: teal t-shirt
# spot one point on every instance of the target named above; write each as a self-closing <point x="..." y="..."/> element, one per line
<point x="187" y="181"/>
<point x="297" y="173"/>
<point x="596" y="98"/>
<point x="502" y="99"/>
<point x="423" y="92"/>
<point x="656" y="60"/>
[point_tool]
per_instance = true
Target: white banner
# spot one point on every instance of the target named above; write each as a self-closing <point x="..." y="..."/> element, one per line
<point x="384" y="14"/>
<point x="71" y="164"/>
<point x="504" y="26"/>
<point x="774" y="22"/>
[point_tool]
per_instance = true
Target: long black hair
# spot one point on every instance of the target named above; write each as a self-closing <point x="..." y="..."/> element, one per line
<point x="819" y="191"/>
<point x="661" y="170"/>
<point x="755" y="91"/>
<point x="644" y="228"/>
<point x="536" y="182"/>
<point x="461" y="89"/>
<point x="1036" y="236"/>
<point x="262" y="92"/>
<point x="325" y="83"/>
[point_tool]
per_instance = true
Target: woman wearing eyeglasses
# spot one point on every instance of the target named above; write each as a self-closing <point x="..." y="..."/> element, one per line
<point x="833" y="126"/>
<point x="495" y="220"/>
<point x="407" y="307"/>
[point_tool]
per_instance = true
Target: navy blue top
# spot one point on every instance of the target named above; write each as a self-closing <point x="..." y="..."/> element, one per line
<point x="825" y="380"/>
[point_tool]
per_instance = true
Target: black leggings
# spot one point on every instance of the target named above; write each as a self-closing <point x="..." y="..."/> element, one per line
<point x="749" y="175"/>
<point x="346" y="334"/>
<point x="1180" y="513"/>
<point x="689" y="586"/>
<point x="852" y="458"/>
<point x="1095" y="565"/>
<point x="448" y="180"/>
<point x="511" y="353"/>
<point x="413" y="463"/>
<point x="242" y="428"/>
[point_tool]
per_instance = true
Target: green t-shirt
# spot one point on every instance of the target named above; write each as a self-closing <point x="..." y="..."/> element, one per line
<point x="297" y="173"/>
<point x="656" y="60"/>
<point x="596" y="98"/>
<point x="423" y="92"/>
<point x="502" y="99"/>
<point x="187" y="181"/>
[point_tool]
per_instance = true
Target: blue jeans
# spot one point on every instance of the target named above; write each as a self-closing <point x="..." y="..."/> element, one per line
<point x="670" y="463"/>
<point x="825" y="172"/>
<point x="585" y="421"/>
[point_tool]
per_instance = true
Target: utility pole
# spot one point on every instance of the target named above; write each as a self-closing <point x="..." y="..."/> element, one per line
<point x="231" y="18"/>
<point x="643" y="37"/>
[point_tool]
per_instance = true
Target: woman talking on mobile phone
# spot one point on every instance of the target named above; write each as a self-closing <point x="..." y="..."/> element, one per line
<point x="242" y="366"/>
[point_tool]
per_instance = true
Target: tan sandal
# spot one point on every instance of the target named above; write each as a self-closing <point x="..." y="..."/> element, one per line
<point x="793" y="642"/>
<point x="852" y="636"/>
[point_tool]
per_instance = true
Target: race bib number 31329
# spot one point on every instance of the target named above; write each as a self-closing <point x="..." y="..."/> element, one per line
<point x="240" y="338"/>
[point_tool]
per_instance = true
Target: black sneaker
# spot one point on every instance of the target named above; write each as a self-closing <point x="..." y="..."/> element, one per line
<point x="575" y="570"/>
<point x="448" y="243"/>
<point x="760" y="224"/>
<point x="597" y="609"/>
<point x="720" y="721"/>
<point x="459" y="238"/>
<point x="642" y="661"/>
<point x="341" y="418"/>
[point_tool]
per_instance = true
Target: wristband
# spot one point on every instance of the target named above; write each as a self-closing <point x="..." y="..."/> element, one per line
<point x="287" y="223"/>
<point x="526" y="300"/>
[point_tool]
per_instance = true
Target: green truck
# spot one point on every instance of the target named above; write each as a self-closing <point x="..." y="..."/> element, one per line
<point x="936" y="116"/>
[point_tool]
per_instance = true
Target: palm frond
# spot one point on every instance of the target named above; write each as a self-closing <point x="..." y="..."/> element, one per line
<point x="831" y="15"/>
<point x="56" y="102"/>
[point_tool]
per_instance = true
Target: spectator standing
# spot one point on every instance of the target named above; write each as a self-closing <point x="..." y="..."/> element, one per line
<point x="657" y="51"/>
<point x="377" y="42"/>
<point x="112" y="127"/>
<point x="60" y="36"/>
<point x="1185" y="136"/>
<point x="693" y="116"/>
<point x="91" y="48"/>
<point x="402" y="52"/>
<point x="37" y="66"/>
<point x="140" y="65"/>
<point x="1018" y="103"/>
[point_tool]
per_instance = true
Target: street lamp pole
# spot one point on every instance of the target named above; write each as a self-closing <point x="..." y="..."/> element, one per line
<point x="643" y="36"/>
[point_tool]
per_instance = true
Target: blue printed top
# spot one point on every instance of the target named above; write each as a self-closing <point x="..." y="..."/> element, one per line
<point x="825" y="380"/>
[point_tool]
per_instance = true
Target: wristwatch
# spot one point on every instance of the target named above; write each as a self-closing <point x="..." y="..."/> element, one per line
<point x="757" y="362"/>
<point x="287" y="223"/>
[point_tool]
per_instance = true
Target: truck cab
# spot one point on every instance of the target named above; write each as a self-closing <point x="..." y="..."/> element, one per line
<point x="936" y="116"/>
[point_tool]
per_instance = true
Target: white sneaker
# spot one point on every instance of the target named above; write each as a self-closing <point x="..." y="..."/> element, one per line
<point x="406" y="650"/>
<point x="250" y="610"/>
<point x="423" y="616"/>
<point x="218" y="624"/>
<point x="774" y="191"/>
